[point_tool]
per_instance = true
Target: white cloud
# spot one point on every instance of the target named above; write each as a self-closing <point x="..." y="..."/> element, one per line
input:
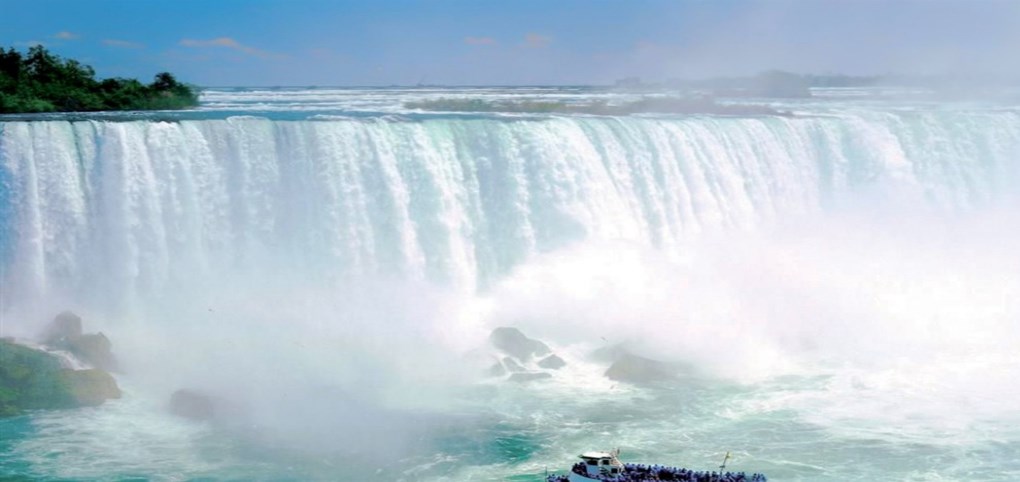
<point x="124" y="44"/>
<point x="225" y="42"/>
<point x="65" y="35"/>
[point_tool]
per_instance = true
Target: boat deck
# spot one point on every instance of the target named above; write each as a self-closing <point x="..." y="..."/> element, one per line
<point x="650" y="473"/>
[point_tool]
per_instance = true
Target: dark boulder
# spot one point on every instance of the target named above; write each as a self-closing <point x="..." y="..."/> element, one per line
<point x="66" y="326"/>
<point x="635" y="369"/>
<point x="552" y="362"/>
<point x="512" y="342"/>
<point x="609" y="353"/>
<point x="94" y="349"/>
<point x="192" y="405"/>
<point x="65" y="333"/>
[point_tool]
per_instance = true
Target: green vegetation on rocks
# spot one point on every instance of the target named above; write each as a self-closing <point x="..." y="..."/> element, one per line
<point x="28" y="380"/>
<point x="89" y="387"/>
<point x="32" y="379"/>
<point x="40" y="81"/>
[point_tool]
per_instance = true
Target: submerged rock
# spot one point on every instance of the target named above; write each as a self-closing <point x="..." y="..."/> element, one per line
<point x="512" y="342"/>
<point x="635" y="369"/>
<point x="552" y="362"/>
<point x="528" y="376"/>
<point x="609" y="353"/>
<point x="192" y="405"/>
<point x="497" y="370"/>
<point x="32" y="379"/>
<point x="512" y="366"/>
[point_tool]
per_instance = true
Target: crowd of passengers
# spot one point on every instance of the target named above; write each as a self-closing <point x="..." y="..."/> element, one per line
<point x="648" y="473"/>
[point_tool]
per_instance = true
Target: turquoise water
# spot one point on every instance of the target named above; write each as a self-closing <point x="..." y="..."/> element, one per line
<point x="840" y="285"/>
<point x="669" y="424"/>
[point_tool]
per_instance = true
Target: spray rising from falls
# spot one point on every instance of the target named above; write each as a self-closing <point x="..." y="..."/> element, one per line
<point x="331" y="277"/>
<point x="111" y="212"/>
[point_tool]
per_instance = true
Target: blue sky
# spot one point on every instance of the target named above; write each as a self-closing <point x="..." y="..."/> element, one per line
<point x="318" y="42"/>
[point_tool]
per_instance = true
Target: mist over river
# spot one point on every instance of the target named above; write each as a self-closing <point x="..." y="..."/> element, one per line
<point x="840" y="282"/>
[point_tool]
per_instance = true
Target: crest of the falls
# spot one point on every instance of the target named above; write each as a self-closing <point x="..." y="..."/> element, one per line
<point x="125" y="209"/>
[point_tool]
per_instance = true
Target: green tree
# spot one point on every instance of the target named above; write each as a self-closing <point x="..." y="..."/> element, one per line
<point x="40" y="81"/>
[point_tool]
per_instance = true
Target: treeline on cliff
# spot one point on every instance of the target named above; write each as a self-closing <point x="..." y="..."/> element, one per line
<point x="40" y="81"/>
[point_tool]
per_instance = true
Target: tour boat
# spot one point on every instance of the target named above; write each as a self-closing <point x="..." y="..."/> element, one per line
<point x="599" y="466"/>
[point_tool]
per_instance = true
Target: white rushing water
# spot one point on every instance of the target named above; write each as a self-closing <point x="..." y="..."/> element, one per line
<point x="842" y="281"/>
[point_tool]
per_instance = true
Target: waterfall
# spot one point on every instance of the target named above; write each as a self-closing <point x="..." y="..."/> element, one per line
<point x="132" y="208"/>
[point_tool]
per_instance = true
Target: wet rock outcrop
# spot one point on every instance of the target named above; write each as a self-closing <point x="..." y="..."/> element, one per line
<point x="511" y="341"/>
<point x="625" y="366"/>
<point x="89" y="387"/>
<point x="524" y="359"/>
<point x="631" y="368"/>
<point x="65" y="327"/>
<point x="552" y="362"/>
<point x="32" y="379"/>
<point x="193" y="405"/>
<point x="65" y="333"/>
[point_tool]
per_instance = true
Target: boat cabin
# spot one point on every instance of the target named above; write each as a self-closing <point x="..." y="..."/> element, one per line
<point x="601" y="463"/>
